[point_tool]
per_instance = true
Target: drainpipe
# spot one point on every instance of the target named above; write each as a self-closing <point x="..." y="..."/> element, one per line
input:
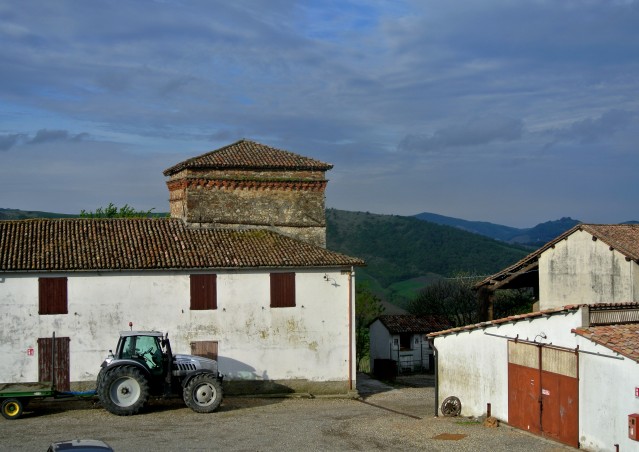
<point x="350" y="329"/>
<point x="431" y="341"/>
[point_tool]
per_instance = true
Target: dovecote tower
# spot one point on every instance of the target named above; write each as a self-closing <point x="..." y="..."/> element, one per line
<point x="251" y="185"/>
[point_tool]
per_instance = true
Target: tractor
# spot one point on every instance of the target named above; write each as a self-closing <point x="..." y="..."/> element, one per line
<point x="143" y="366"/>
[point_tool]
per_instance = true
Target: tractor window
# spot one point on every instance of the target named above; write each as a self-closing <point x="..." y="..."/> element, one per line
<point x="147" y="347"/>
<point x="128" y="347"/>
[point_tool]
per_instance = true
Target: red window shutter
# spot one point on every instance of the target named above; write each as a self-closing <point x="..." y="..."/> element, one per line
<point x="203" y="292"/>
<point x="282" y="290"/>
<point x="52" y="296"/>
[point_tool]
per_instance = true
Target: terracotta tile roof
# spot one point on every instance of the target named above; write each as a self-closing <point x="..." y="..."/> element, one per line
<point x="126" y="244"/>
<point x="512" y="318"/>
<point x="622" y="237"/>
<point x="396" y="324"/>
<point x="621" y="338"/>
<point x="248" y="154"/>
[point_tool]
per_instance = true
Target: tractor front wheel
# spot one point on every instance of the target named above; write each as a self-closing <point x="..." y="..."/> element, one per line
<point x="203" y="394"/>
<point x="123" y="390"/>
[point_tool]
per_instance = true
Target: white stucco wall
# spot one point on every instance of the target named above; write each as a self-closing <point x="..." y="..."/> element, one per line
<point x="380" y="342"/>
<point x="607" y="396"/>
<point x="473" y="365"/>
<point x="307" y="342"/>
<point x="580" y="270"/>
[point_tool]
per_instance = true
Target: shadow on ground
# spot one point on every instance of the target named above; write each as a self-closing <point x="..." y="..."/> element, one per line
<point x="368" y="385"/>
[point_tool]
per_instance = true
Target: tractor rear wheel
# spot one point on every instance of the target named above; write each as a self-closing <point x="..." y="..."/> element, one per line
<point x="123" y="390"/>
<point x="203" y="394"/>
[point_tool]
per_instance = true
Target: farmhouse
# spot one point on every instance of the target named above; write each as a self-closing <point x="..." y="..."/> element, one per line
<point x="239" y="273"/>
<point x="571" y="370"/>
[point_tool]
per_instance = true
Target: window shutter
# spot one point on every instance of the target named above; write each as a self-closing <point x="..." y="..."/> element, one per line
<point x="282" y="290"/>
<point x="203" y="292"/>
<point x="52" y="296"/>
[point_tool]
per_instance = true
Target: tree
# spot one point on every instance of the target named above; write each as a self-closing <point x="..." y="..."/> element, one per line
<point x="111" y="211"/>
<point x="457" y="300"/>
<point x="367" y="307"/>
<point x="512" y="301"/>
<point x="452" y="298"/>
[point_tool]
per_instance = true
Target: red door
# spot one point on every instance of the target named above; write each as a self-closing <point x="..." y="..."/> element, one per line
<point x="523" y="398"/>
<point x="543" y="391"/>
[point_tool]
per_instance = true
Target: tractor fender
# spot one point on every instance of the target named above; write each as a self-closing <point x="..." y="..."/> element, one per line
<point x="195" y="374"/>
<point x="128" y="362"/>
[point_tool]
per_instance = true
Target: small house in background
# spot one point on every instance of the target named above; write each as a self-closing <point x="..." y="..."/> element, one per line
<point x="402" y="339"/>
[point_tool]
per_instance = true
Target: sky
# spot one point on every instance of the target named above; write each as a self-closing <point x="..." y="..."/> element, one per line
<point x="515" y="112"/>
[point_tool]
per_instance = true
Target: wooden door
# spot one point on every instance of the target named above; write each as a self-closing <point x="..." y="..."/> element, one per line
<point x="560" y="395"/>
<point x="53" y="362"/>
<point x="524" y="379"/>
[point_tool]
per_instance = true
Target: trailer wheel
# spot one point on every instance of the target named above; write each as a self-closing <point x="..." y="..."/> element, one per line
<point x="123" y="391"/>
<point x="11" y="409"/>
<point x="203" y="394"/>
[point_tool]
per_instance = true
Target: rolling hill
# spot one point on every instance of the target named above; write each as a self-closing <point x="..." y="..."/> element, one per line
<point x="408" y="252"/>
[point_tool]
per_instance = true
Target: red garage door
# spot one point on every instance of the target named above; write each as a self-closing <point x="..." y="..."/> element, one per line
<point x="543" y="389"/>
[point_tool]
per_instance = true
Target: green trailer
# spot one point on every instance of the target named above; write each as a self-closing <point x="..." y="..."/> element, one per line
<point x="16" y="396"/>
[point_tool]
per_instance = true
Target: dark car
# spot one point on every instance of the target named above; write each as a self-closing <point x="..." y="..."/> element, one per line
<point x="80" y="445"/>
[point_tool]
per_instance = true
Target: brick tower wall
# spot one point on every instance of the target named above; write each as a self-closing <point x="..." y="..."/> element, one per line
<point x="291" y="202"/>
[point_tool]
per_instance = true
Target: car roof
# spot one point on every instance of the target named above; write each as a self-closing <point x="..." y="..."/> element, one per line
<point x="80" y="445"/>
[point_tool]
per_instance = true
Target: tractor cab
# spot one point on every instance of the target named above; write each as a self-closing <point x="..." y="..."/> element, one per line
<point x="149" y="348"/>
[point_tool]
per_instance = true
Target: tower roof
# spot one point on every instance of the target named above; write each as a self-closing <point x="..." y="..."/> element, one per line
<point x="247" y="154"/>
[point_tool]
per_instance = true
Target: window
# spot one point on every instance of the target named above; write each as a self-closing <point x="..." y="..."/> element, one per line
<point x="52" y="296"/>
<point x="203" y="292"/>
<point x="207" y="349"/>
<point x="282" y="290"/>
<point x="404" y="341"/>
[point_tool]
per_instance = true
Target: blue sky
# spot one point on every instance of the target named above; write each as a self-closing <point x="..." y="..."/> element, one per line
<point x="514" y="112"/>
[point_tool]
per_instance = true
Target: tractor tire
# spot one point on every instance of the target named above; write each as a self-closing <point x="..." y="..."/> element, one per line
<point x="11" y="409"/>
<point x="203" y="394"/>
<point x="123" y="390"/>
<point x="99" y="380"/>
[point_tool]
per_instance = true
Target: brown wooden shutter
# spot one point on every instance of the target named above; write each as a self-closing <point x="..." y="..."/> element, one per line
<point x="282" y="290"/>
<point x="52" y="296"/>
<point x="203" y="292"/>
<point x="207" y="349"/>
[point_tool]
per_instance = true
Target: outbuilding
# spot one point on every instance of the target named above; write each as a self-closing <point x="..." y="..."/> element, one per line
<point x="400" y="339"/>
<point x="570" y="373"/>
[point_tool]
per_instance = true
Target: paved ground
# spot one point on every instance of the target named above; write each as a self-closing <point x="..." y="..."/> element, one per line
<point x="397" y="418"/>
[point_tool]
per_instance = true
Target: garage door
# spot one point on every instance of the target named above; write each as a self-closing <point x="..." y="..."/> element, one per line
<point x="543" y="389"/>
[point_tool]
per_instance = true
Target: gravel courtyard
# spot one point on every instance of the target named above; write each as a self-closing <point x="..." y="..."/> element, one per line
<point x="385" y="418"/>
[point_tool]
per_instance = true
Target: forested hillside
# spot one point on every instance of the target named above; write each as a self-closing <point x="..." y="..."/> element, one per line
<point x="400" y="248"/>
